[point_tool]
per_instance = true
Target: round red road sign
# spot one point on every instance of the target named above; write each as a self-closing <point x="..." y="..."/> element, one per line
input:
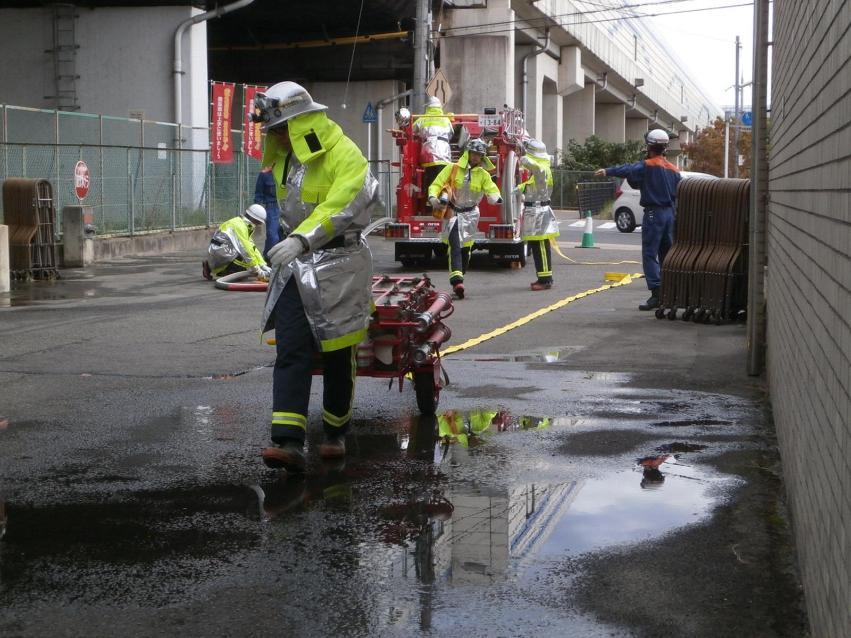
<point x="81" y="179"/>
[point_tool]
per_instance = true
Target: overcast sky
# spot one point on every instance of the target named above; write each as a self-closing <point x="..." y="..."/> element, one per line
<point x="705" y="43"/>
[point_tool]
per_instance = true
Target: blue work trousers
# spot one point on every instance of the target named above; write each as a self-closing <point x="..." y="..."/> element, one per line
<point x="274" y="233"/>
<point x="265" y="193"/>
<point x="657" y="235"/>
<point x="459" y="255"/>
<point x="293" y="374"/>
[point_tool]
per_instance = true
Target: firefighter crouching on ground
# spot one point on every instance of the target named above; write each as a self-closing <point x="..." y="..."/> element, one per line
<point x="232" y="249"/>
<point x="657" y="180"/>
<point x="458" y="188"/>
<point x="539" y="222"/>
<point x="319" y="298"/>
<point x="434" y="130"/>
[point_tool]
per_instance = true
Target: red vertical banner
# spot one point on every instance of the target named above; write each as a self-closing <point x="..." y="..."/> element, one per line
<point x="221" y="149"/>
<point x="252" y="141"/>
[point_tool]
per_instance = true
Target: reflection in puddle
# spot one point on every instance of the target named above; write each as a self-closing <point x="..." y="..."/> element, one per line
<point x="548" y="356"/>
<point x="470" y="428"/>
<point x="483" y="538"/>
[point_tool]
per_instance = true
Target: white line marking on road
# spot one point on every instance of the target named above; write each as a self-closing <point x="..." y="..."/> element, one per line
<point x="607" y="225"/>
<point x="577" y="224"/>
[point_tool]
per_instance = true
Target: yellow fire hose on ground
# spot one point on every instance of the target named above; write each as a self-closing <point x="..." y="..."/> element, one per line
<point x="556" y="248"/>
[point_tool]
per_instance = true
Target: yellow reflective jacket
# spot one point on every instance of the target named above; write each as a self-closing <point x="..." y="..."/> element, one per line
<point x="242" y="229"/>
<point x="464" y="194"/>
<point x="328" y="193"/>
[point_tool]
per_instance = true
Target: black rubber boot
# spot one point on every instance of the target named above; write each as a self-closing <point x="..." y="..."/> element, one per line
<point x="334" y="447"/>
<point x="289" y="456"/>
<point x="652" y="302"/>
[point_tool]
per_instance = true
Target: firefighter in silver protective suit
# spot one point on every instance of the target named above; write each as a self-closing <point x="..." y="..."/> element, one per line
<point x="459" y="188"/>
<point x="319" y="298"/>
<point x="539" y="222"/>
<point x="434" y="129"/>
<point x="232" y="248"/>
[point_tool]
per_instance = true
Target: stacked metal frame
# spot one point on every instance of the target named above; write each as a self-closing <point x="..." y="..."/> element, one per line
<point x="705" y="271"/>
<point x="28" y="210"/>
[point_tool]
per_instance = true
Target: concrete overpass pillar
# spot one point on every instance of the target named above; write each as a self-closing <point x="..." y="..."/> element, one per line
<point x="571" y="77"/>
<point x="636" y="127"/>
<point x="611" y="122"/>
<point x="578" y="115"/>
<point x="551" y="119"/>
<point x="543" y="119"/>
<point x="479" y="66"/>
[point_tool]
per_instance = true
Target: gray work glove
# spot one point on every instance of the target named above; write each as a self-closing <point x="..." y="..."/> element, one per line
<point x="265" y="271"/>
<point x="435" y="203"/>
<point x="285" y="251"/>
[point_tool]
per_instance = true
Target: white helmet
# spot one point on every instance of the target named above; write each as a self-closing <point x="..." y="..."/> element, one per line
<point x="282" y="102"/>
<point x="255" y="213"/>
<point x="536" y="148"/>
<point x="477" y="145"/>
<point x="433" y="101"/>
<point x="656" y="137"/>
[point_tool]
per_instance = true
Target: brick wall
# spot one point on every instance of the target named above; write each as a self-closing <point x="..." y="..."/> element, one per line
<point x="809" y="292"/>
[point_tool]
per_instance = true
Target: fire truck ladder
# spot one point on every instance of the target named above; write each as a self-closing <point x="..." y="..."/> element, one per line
<point x="64" y="54"/>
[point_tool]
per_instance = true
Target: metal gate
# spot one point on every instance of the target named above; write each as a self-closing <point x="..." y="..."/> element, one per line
<point x="705" y="271"/>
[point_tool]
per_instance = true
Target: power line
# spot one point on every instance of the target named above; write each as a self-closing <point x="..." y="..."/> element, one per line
<point x="587" y="12"/>
<point x="543" y="22"/>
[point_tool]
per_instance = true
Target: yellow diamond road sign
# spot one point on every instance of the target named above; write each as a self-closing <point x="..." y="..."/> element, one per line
<point x="439" y="87"/>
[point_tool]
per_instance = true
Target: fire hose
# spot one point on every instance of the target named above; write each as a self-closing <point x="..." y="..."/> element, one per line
<point x="234" y="282"/>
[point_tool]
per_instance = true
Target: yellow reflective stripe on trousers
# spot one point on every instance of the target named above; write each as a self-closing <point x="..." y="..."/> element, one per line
<point x="340" y="421"/>
<point x="336" y="421"/>
<point x="545" y="264"/>
<point x="289" y="418"/>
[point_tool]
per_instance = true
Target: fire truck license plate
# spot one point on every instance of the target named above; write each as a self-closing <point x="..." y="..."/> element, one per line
<point x="490" y="120"/>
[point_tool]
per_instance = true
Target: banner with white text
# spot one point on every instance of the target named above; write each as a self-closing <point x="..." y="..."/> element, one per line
<point x="252" y="140"/>
<point x="221" y="149"/>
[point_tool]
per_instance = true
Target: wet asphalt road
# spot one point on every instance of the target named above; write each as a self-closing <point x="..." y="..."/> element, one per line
<point x="627" y="483"/>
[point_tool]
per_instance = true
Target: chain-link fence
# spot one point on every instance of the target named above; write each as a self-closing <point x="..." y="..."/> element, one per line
<point x="142" y="178"/>
<point x="565" y="187"/>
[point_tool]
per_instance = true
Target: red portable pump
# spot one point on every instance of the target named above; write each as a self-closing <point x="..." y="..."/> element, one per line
<point x="404" y="336"/>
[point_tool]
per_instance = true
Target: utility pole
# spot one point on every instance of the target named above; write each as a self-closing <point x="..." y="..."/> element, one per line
<point x="756" y="327"/>
<point x="727" y="148"/>
<point x="736" y="113"/>
<point x="421" y="35"/>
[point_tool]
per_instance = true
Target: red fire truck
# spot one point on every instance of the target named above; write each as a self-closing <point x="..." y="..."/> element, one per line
<point x="416" y="233"/>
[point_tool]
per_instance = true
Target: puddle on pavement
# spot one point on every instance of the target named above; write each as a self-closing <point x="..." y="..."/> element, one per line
<point x="35" y="292"/>
<point x="687" y="423"/>
<point x="548" y="356"/>
<point x="392" y="509"/>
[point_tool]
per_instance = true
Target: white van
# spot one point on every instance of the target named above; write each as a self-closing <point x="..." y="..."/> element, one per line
<point x="628" y="213"/>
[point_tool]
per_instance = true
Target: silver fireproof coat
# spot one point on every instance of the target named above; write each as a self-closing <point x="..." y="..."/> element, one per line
<point x="334" y="283"/>
<point x="470" y="185"/>
<point x="435" y="131"/>
<point x="539" y="221"/>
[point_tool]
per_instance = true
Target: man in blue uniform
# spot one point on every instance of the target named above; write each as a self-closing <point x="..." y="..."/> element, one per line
<point x="657" y="180"/>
